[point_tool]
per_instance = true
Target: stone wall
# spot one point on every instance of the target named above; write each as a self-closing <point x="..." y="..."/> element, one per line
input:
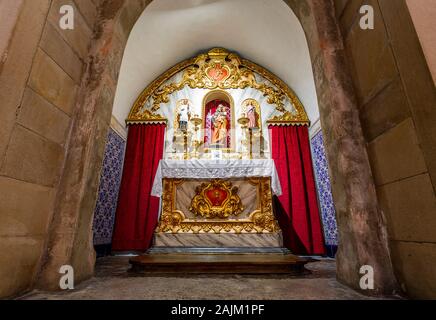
<point x="57" y="89"/>
<point x="70" y="239"/>
<point x="396" y="101"/>
<point x="423" y="13"/>
<point x="40" y="73"/>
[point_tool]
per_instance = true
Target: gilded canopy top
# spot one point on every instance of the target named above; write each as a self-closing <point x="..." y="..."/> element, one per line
<point x="218" y="69"/>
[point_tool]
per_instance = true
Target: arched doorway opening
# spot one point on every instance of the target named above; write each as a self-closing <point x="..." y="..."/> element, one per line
<point x="360" y="224"/>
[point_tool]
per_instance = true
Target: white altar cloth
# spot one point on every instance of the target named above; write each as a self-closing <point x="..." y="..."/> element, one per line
<point x="219" y="169"/>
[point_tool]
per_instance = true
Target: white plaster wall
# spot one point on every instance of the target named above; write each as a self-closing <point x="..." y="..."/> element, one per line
<point x="266" y="32"/>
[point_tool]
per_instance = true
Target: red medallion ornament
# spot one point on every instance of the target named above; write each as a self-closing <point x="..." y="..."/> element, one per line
<point x="218" y="73"/>
<point x="217" y="196"/>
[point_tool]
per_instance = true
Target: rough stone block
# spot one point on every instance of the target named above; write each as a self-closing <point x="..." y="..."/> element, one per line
<point x="410" y="208"/>
<point x="373" y="64"/>
<point x="25" y="208"/>
<point x="414" y="265"/>
<point x="340" y="6"/>
<point x="56" y="47"/>
<point x="9" y="12"/>
<point x="416" y="76"/>
<point x="388" y="109"/>
<point x="396" y="154"/>
<point x="18" y="263"/>
<point x="51" y="82"/>
<point x="40" y="116"/>
<point x="349" y="14"/>
<point x="88" y="10"/>
<point x="79" y="38"/>
<point x="16" y="65"/>
<point x="32" y="158"/>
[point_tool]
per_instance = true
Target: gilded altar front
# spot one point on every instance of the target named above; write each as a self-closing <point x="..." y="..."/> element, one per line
<point x="237" y="205"/>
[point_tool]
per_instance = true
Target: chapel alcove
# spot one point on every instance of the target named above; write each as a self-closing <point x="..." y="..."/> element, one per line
<point x="332" y="233"/>
<point x="291" y="63"/>
<point x="200" y="174"/>
<point x="72" y="76"/>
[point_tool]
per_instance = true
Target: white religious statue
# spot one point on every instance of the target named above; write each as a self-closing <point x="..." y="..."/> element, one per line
<point x="184" y="114"/>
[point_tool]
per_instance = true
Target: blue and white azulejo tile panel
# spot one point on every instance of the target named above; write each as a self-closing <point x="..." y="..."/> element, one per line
<point x="324" y="190"/>
<point x="110" y="180"/>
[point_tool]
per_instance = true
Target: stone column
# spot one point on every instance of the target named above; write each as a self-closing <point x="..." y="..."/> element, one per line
<point x="362" y="230"/>
<point x="70" y="240"/>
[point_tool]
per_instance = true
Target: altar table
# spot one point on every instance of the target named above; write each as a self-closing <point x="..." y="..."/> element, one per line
<point x="217" y="197"/>
<point x="216" y="169"/>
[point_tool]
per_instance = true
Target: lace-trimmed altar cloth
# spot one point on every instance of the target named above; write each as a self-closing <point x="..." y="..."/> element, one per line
<point x="215" y="169"/>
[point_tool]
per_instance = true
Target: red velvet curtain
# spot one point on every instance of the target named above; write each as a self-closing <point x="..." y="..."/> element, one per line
<point x="137" y="212"/>
<point x="297" y="208"/>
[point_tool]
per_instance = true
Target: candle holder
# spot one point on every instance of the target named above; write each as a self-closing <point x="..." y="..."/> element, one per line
<point x="196" y="121"/>
<point x="256" y="143"/>
<point x="244" y="121"/>
<point x="185" y="145"/>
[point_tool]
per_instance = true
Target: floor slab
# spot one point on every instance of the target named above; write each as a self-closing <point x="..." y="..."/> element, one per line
<point x="113" y="281"/>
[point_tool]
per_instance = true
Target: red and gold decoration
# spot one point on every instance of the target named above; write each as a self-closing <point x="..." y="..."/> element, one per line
<point x="218" y="69"/>
<point x="218" y="72"/>
<point x="217" y="196"/>
<point x="216" y="199"/>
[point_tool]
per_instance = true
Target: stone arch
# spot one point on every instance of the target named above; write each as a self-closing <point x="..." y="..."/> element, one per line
<point x="361" y="227"/>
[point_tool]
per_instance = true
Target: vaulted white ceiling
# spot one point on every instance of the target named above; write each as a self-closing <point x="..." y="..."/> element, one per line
<point x="266" y="32"/>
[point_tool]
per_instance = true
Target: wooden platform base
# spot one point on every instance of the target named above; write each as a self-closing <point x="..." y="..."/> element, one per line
<point x="182" y="263"/>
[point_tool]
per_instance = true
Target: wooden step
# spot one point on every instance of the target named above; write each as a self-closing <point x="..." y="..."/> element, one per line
<point x="182" y="263"/>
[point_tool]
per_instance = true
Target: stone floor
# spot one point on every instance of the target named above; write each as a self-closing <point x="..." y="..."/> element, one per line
<point x="112" y="281"/>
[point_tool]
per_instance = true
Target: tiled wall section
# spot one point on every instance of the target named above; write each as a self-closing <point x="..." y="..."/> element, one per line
<point x="110" y="181"/>
<point x="324" y="190"/>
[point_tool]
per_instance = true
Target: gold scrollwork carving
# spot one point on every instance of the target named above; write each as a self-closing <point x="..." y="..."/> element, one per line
<point x="286" y="118"/>
<point x="262" y="220"/>
<point x="149" y="117"/>
<point x="216" y="199"/>
<point x="217" y="69"/>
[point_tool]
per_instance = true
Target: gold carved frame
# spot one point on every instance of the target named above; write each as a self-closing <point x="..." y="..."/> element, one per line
<point x="261" y="220"/>
<point x="204" y="72"/>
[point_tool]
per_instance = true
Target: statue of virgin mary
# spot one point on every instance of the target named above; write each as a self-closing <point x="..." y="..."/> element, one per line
<point x="219" y="121"/>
